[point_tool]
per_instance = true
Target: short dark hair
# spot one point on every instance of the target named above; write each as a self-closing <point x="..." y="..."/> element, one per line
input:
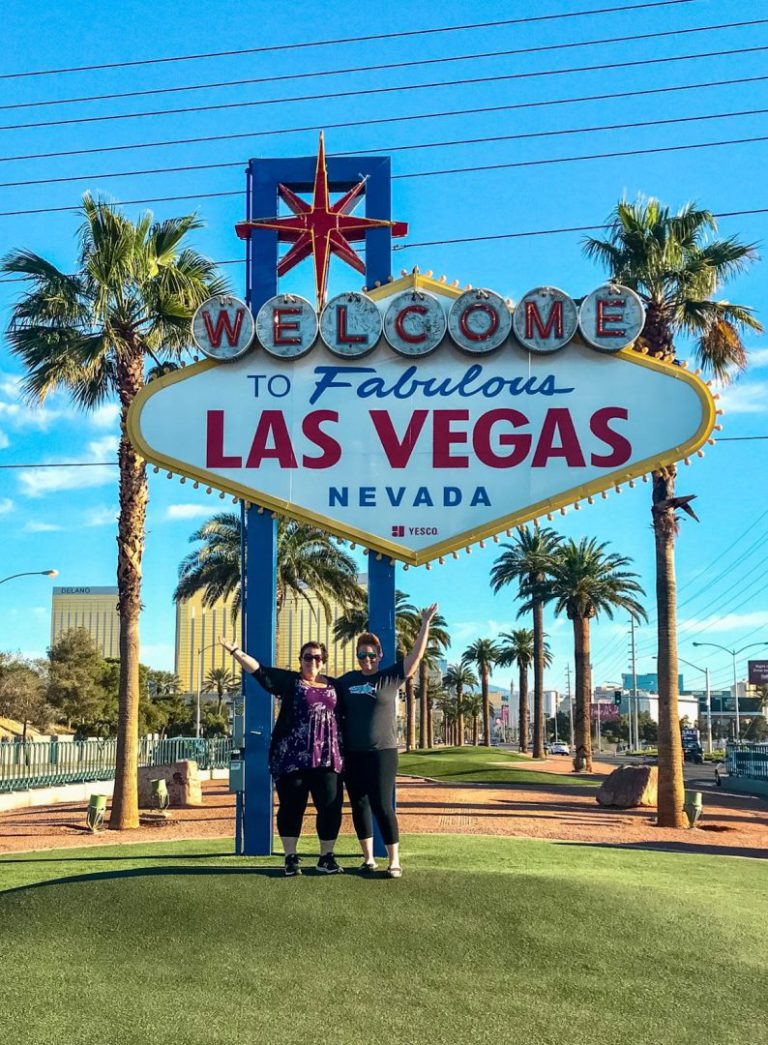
<point x="369" y="639"/>
<point x="314" y="645"/>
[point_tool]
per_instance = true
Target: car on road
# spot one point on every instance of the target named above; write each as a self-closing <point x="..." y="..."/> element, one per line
<point x="559" y="749"/>
<point x="694" y="753"/>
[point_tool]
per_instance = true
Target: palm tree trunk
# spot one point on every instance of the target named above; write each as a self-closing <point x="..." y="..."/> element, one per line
<point x="410" y="716"/>
<point x="475" y="731"/>
<point x="486" y="708"/>
<point x="459" y="717"/>
<point x="538" y="680"/>
<point x="582" y="762"/>
<point x="523" y="711"/>
<point x="671" y="793"/>
<point x="430" y="725"/>
<point x="423" y="703"/>
<point x="134" y="495"/>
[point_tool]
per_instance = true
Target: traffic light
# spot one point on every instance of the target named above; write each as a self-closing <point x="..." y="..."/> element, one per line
<point x="617" y="695"/>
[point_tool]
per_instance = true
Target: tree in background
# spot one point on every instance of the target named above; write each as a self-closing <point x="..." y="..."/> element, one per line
<point x="677" y="266"/>
<point x="221" y="682"/>
<point x="457" y="678"/>
<point x="472" y="707"/>
<point x="526" y="563"/>
<point x="516" y="648"/>
<point x="22" y="693"/>
<point x="585" y="580"/>
<point x="483" y="654"/>
<point x="308" y="560"/>
<point x="76" y="678"/>
<point x="92" y="332"/>
<point x="438" y="642"/>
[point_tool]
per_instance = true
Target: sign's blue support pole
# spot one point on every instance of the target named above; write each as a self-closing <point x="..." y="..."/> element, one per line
<point x="259" y="594"/>
<point x="381" y="617"/>
<point x="261" y="564"/>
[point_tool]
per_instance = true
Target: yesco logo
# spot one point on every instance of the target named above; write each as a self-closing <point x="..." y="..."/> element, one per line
<point x="415" y="531"/>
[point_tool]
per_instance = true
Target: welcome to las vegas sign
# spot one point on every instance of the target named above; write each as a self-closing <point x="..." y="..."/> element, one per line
<point x="418" y="418"/>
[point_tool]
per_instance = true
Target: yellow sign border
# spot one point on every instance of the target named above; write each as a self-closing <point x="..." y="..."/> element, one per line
<point x="467" y="537"/>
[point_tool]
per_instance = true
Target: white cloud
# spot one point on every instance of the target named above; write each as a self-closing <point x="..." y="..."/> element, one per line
<point x="105" y="416"/>
<point x="37" y="482"/>
<point x="41" y="527"/>
<point x="188" y="511"/>
<point x="758" y="357"/>
<point x="5" y="442"/>
<point x="102" y="515"/>
<point x="6" y="505"/>
<point x="730" y="622"/>
<point x="751" y="398"/>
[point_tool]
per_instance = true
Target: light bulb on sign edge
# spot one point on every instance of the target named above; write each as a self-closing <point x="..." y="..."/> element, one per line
<point x="379" y="556"/>
<point x="604" y="495"/>
<point x="182" y="479"/>
<point x="155" y="469"/>
<point x="235" y="500"/>
<point x="440" y="559"/>
<point x="222" y="495"/>
<point x="427" y="565"/>
<point x="406" y="566"/>
<point x="590" y="499"/>
<point x="455" y="555"/>
<point x="195" y="486"/>
<point x="563" y="511"/>
<point x="699" y="453"/>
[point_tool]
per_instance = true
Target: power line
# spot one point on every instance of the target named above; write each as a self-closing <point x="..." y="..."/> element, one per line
<point x="475" y="56"/>
<point x="186" y="168"/>
<point x="202" y="139"/>
<point x="369" y="91"/>
<point x="273" y="48"/>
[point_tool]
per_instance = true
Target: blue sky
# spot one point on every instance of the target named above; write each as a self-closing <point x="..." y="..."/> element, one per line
<point x="65" y="519"/>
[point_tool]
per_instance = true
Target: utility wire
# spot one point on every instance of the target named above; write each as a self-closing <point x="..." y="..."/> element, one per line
<point x="370" y="91"/>
<point x="274" y="48"/>
<point x="344" y="124"/>
<point x="186" y="168"/>
<point x="474" y="56"/>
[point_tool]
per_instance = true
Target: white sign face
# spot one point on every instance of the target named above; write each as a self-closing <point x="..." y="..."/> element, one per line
<point x="418" y="457"/>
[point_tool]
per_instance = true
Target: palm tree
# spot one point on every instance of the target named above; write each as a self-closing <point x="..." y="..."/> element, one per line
<point x="456" y="678"/>
<point x="307" y="560"/>
<point x="516" y="647"/>
<point x="585" y="581"/>
<point x="526" y="563"/>
<point x="92" y="333"/>
<point x="676" y="266"/>
<point x="483" y="654"/>
<point x="220" y="681"/>
<point x="472" y="706"/>
<point x="439" y="640"/>
<point x="446" y="704"/>
<point x="407" y="623"/>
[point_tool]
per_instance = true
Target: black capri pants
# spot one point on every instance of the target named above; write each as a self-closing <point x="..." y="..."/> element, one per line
<point x="370" y="780"/>
<point x="293" y="791"/>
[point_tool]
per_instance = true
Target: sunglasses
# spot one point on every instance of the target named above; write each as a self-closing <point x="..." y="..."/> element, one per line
<point x="367" y="656"/>
<point x="317" y="657"/>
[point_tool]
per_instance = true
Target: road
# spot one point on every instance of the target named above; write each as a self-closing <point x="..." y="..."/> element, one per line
<point x="703" y="775"/>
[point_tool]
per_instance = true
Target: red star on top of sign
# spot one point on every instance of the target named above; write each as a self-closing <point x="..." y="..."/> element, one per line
<point x="320" y="228"/>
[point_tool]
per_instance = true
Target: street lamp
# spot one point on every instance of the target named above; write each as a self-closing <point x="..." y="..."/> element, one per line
<point x="31" y="573"/>
<point x="734" y="653"/>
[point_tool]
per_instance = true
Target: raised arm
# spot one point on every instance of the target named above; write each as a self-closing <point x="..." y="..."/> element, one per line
<point x="413" y="659"/>
<point x="249" y="664"/>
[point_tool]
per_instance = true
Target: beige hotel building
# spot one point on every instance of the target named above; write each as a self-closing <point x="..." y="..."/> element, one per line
<point x="92" y="608"/>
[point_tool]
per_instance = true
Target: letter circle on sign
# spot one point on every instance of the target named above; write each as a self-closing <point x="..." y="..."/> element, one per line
<point x="350" y="325"/>
<point x="611" y="317"/>
<point x="545" y="319"/>
<point x="414" y="323"/>
<point x="479" y="321"/>
<point x="286" y="326"/>
<point x="223" y="327"/>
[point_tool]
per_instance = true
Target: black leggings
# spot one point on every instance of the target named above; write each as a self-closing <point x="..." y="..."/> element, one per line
<point x="370" y="780"/>
<point x="293" y="790"/>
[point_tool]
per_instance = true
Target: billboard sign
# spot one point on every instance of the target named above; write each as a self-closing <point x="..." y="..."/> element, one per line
<point x="429" y="424"/>
<point x="757" y="672"/>
<point x="604" y="713"/>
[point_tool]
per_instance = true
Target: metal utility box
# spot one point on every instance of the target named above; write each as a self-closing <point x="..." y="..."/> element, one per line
<point x="236" y="770"/>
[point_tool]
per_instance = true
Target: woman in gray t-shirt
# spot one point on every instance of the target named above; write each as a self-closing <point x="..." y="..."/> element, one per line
<point x="368" y="699"/>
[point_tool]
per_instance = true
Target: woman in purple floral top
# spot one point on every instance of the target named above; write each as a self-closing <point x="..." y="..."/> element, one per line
<point x="305" y="753"/>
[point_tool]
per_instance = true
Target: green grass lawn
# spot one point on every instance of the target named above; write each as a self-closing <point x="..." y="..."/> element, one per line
<point x="500" y="941"/>
<point x="481" y="765"/>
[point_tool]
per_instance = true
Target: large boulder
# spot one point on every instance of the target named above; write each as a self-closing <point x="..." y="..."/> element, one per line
<point x="630" y="786"/>
<point x="182" y="779"/>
